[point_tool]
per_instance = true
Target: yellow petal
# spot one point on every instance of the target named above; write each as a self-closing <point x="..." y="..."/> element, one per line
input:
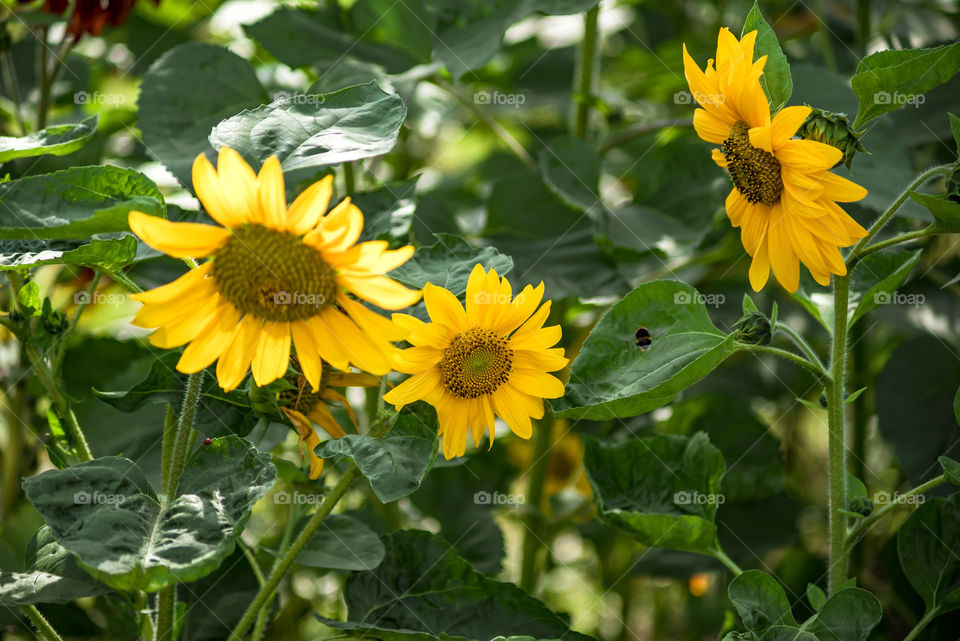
<point x="328" y="344"/>
<point x="760" y="138"/>
<point x="186" y="327"/>
<point x="536" y="383"/>
<point x="273" y="353"/>
<point x="180" y="240"/>
<point x="840" y="189"/>
<point x="238" y="186"/>
<point x="307" y="353"/>
<point x="235" y="360"/>
<point x="210" y="343"/>
<point x="510" y="408"/>
<point x="415" y="388"/>
<point x="444" y="308"/>
<point x="371" y="322"/>
<point x="362" y="351"/>
<point x="270" y="194"/>
<point x="206" y="184"/>
<point x="760" y="268"/>
<point x="177" y="289"/>
<point x="787" y="121"/>
<point x="380" y="290"/>
<point x="807" y="155"/>
<point x="719" y="158"/>
<point x="305" y="212"/>
<point x="736" y="206"/>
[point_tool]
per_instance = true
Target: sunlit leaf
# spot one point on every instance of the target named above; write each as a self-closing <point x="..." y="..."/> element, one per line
<point x="57" y="140"/>
<point x="776" y="79"/>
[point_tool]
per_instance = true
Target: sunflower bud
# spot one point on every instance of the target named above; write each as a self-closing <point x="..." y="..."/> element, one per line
<point x="833" y="129"/>
<point x="860" y="505"/>
<point x="753" y="328"/>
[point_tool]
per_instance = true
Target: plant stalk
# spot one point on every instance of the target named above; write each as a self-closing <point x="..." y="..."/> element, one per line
<point x="836" y="438"/>
<point x="43" y="626"/>
<point x="539" y="466"/>
<point x="583" y="97"/>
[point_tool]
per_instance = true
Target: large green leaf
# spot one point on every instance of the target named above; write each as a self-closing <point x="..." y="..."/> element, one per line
<point x="776" y="79"/>
<point x="53" y="576"/>
<point x="424" y="590"/>
<point x="848" y="615"/>
<point x="105" y="253"/>
<point x="448" y="262"/>
<point x="388" y="211"/>
<point x="889" y="80"/>
<point x="927" y="543"/>
<point x="664" y="490"/>
<point x="945" y="211"/>
<point x="571" y="169"/>
<point x="342" y="543"/>
<point x="219" y="413"/>
<point x="396" y="464"/>
<point x="760" y="601"/>
<point x="57" y="140"/>
<point x="187" y="92"/>
<point x="316" y="131"/>
<point x="105" y="512"/>
<point x="75" y="203"/>
<point x="612" y="377"/>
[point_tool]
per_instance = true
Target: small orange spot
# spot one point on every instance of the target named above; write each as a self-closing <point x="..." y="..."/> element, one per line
<point x="699" y="584"/>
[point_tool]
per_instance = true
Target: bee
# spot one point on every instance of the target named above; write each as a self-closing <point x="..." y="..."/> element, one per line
<point x="644" y="340"/>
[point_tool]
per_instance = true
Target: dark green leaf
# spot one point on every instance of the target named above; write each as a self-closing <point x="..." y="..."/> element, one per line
<point x="388" y="212"/>
<point x="888" y="80"/>
<point x="946" y="212"/>
<point x="612" y="377"/>
<point x="109" y="254"/>
<point x="816" y="596"/>
<point x="955" y="129"/>
<point x="424" y="590"/>
<point x="875" y="280"/>
<point x="105" y="512"/>
<point x="760" y="601"/>
<point x="396" y="464"/>
<point x="342" y="543"/>
<point x="848" y="615"/>
<point x="57" y="140"/>
<point x="571" y="169"/>
<point x="951" y="469"/>
<point x="776" y="79"/>
<point x="316" y="131"/>
<point x="927" y="543"/>
<point x="664" y="490"/>
<point x="185" y="94"/>
<point x="75" y="203"/>
<point x="448" y="263"/>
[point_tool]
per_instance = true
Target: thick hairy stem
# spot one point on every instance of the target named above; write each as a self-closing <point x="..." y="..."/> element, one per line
<point x="836" y="438"/>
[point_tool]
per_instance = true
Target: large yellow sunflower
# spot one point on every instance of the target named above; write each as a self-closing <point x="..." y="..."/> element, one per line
<point x="491" y="359"/>
<point x="784" y="198"/>
<point x="277" y="275"/>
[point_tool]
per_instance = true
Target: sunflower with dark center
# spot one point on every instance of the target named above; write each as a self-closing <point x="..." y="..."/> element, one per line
<point x="784" y="198"/>
<point x="490" y="359"/>
<point x="277" y="277"/>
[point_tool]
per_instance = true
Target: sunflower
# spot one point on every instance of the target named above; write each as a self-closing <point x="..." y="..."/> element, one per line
<point x="304" y="409"/>
<point x="784" y="199"/>
<point x="277" y="276"/>
<point x="491" y="359"/>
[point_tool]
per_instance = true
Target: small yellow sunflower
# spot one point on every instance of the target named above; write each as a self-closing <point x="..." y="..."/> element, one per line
<point x="784" y="198"/>
<point x="277" y="275"/>
<point x="491" y="359"/>
<point x="304" y="409"/>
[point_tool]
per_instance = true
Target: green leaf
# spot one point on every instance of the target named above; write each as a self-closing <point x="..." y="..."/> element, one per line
<point x="571" y="169"/>
<point x="816" y="596"/>
<point x="425" y="590"/>
<point x="946" y="212"/>
<point x="955" y="129"/>
<point x="29" y="299"/>
<point x="187" y="92"/>
<point x="75" y="203"/>
<point x="447" y="263"/>
<point x="664" y="490"/>
<point x="760" y="601"/>
<point x="396" y="464"/>
<point x="776" y="80"/>
<point x="611" y="377"/>
<point x="109" y="254"/>
<point x="388" y="212"/>
<point x="848" y="615"/>
<point x="342" y="543"/>
<point x="888" y="80"/>
<point x="951" y="469"/>
<point x="927" y="544"/>
<point x="875" y="280"/>
<point x="53" y="576"/>
<point x="318" y="130"/>
<point x="219" y="413"/>
<point x="105" y="512"/>
<point x="57" y="140"/>
<point x="471" y="32"/>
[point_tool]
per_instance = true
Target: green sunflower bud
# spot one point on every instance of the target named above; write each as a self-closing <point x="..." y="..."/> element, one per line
<point x="833" y="129"/>
<point x="860" y="505"/>
<point x="753" y="328"/>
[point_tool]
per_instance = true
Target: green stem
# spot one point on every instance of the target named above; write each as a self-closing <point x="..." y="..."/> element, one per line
<point x="857" y="251"/>
<point x="641" y="130"/>
<point x="13" y="453"/>
<point x="901" y="499"/>
<point x="814" y="367"/>
<point x="43" y="106"/>
<point x="122" y="279"/>
<point x="10" y="75"/>
<point x="47" y="379"/>
<point x="349" y="183"/>
<point x="896" y="240"/>
<point x="730" y="564"/>
<point x="252" y="560"/>
<point x="286" y="561"/>
<point x="166" y="606"/>
<point x="863" y="26"/>
<point x="261" y="623"/>
<point x="584" y="82"/>
<point x="166" y="450"/>
<point x="44" y="627"/>
<point x="802" y="343"/>
<point x="542" y="442"/>
<point x="928" y="616"/>
<point x="836" y="437"/>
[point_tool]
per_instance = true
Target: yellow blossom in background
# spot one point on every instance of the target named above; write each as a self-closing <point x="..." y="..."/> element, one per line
<point x="490" y="359"/>
<point x="784" y="198"/>
<point x="277" y="277"/>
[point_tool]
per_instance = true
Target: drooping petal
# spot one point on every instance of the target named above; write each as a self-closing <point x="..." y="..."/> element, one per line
<point x="179" y="240"/>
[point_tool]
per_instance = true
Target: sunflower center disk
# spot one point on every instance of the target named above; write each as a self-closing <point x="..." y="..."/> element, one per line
<point x="755" y="172"/>
<point x="476" y="364"/>
<point x="273" y="275"/>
